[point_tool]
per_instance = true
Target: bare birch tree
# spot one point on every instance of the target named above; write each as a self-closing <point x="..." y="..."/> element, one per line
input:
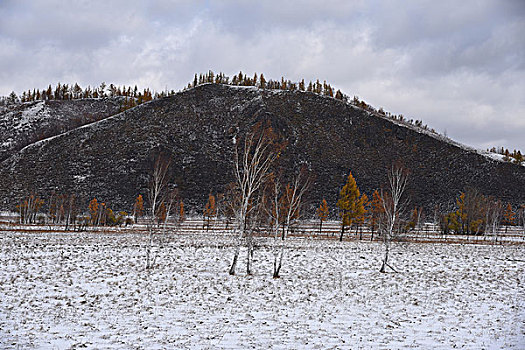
<point x="521" y="216"/>
<point x="392" y="208"/>
<point x="285" y="209"/>
<point x="156" y="195"/>
<point x="252" y="160"/>
<point x="493" y="213"/>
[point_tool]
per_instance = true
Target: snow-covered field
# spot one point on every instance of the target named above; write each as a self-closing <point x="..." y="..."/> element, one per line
<point x="73" y="290"/>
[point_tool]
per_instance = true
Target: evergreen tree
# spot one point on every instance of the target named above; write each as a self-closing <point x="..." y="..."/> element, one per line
<point x="102" y="89"/>
<point x="12" y="98"/>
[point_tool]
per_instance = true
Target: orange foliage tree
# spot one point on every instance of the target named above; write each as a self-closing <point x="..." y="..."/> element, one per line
<point x="322" y="213"/>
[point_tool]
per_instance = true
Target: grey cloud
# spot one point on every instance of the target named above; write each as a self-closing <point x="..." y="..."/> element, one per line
<point x="458" y="66"/>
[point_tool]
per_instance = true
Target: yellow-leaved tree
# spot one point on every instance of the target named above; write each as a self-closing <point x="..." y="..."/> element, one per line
<point x="138" y="208"/>
<point x="210" y="211"/>
<point x="322" y="213"/>
<point x="509" y="216"/>
<point x="350" y="204"/>
<point x="376" y="209"/>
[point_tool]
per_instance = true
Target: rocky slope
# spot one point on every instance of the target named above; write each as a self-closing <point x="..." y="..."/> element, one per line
<point x="26" y="123"/>
<point x="111" y="159"/>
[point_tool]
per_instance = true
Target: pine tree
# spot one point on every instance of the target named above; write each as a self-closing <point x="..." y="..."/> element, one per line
<point x="350" y="204"/>
<point x="322" y="213"/>
<point x="13" y="98"/>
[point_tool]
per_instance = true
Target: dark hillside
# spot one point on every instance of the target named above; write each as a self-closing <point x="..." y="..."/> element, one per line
<point x="26" y="123"/>
<point x="111" y="159"/>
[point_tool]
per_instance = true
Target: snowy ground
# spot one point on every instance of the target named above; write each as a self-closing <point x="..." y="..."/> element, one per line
<point x="72" y="290"/>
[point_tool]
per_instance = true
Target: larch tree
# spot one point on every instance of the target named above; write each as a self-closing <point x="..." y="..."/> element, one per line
<point x="509" y="216"/>
<point x="29" y="208"/>
<point x="322" y="214"/>
<point x="210" y="211"/>
<point x="138" y="208"/>
<point x="182" y="214"/>
<point x="469" y="215"/>
<point x="361" y="219"/>
<point x="376" y="210"/>
<point x="93" y="211"/>
<point x="350" y="204"/>
<point x="262" y="82"/>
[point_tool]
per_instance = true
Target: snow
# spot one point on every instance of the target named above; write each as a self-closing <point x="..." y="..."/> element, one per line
<point x="19" y="122"/>
<point x="70" y="290"/>
<point x="36" y="112"/>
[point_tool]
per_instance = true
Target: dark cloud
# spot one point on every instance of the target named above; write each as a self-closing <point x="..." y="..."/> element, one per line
<point x="459" y="66"/>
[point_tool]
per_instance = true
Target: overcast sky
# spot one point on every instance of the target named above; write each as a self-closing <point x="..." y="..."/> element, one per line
<point x="458" y="65"/>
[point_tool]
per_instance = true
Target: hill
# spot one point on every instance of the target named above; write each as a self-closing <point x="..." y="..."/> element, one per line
<point x="26" y="123"/>
<point x="111" y="159"/>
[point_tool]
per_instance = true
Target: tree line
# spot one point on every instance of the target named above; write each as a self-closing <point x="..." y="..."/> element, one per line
<point x="264" y="201"/>
<point x="133" y="97"/>
<point x="515" y="156"/>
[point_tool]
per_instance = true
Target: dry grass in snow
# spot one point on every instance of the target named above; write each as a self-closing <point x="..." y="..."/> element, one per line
<point x="71" y="290"/>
